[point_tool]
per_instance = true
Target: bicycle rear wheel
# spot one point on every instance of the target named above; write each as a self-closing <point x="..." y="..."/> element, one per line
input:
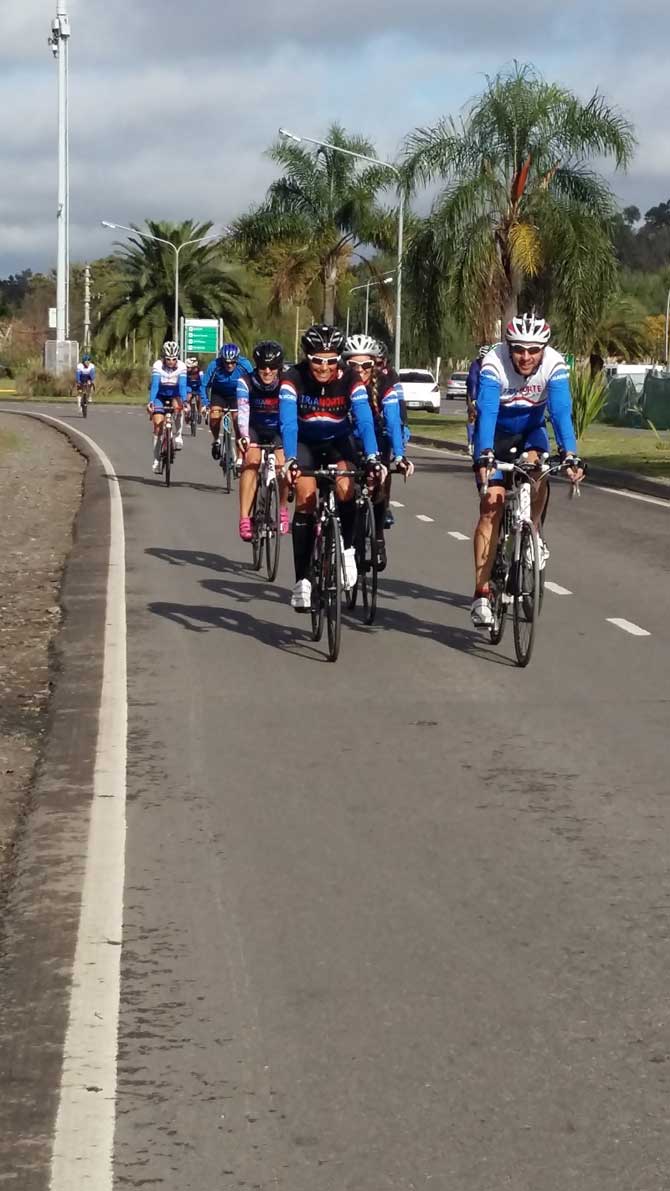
<point x="271" y="521"/>
<point x="526" y="600"/>
<point x="367" y="564"/>
<point x="351" y="594"/>
<point x="257" y="522"/>
<point x="332" y="585"/>
<point x="498" y="590"/>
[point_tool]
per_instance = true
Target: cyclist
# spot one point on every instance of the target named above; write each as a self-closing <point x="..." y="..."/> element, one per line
<point x="84" y="375"/>
<point x="471" y="389"/>
<point x="384" y="369"/>
<point x="361" y="353"/>
<point x="521" y="380"/>
<point x="315" y="401"/>
<point x="220" y="385"/>
<point x="168" y="387"/>
<point x="257" y="426"/>
<point x="194" y="385"/>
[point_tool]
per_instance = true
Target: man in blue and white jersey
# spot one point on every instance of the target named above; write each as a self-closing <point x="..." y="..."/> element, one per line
<point x="220" y="385"/>
<point x="84" y="375"/>
<point x="168" y="390"/>
<point x="521" y="381"/>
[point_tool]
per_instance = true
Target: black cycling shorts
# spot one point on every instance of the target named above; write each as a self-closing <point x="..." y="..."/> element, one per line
<point x="312" y="456"/>
<point x="260" y="436"/>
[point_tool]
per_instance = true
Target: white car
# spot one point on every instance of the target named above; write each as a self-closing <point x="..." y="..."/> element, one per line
<point x="419" y="389"/>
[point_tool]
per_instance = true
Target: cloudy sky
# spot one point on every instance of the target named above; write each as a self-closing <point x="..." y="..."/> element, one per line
<point x="173" y="104"/>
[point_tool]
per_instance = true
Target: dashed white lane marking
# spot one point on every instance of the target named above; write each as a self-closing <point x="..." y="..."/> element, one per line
<point x="83" y="1142"/>
<point x="460" y="537"/>
<point x="396" y="504"/>
<point x="556" y="588"/>
<point x="423" y="517"/>
<point x="628" y="626"/>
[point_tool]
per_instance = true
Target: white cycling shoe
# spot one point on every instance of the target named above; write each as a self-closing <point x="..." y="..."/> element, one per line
<point x="178" y="442"/>
<point x="349" y="569"/>
<point x="156" y="466"/>
<point x="301" y="596"/>
<point x="480" y="611"/>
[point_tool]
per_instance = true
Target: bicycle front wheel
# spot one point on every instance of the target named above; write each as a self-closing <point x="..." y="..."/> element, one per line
<point x="272" y="530"/>
<point x="257" y="522"/>
<point x="526" y="605"/>
<point x="84" y="403"/>
<point x="316" y="578"/>
<point x="368" y="562"/>
<point x="332" y="585"/>
<point x="167" y="457"/>
<point x="194" y="419"/>
<point x="227" y="463"/>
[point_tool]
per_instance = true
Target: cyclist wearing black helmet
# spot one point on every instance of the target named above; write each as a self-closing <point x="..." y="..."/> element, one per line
<point x="258" y="426"/>
<point x="315" y="406"/>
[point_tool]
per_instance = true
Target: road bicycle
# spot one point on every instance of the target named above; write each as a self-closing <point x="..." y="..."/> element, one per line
<point x="517" y="579"/>
<point x="265" y="515"/>
<point x="228" y="453"/>
<point x="365" y="545"/>
<point x="85" y="391"/>
<point x="193" y="414"/>
<point x="167" y="447"/>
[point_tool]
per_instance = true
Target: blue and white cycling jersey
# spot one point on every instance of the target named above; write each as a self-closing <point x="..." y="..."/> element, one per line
<point x="167" y="383"/>
<point x="84" y="372"/>
<point x="511" y="404"/>
<point x="194" y="383"/>
<point x="221" y="386"/>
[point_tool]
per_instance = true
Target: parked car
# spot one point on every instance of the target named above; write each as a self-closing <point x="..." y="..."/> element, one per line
<point x="456" y="385"/>
<point x="420" y="390"/>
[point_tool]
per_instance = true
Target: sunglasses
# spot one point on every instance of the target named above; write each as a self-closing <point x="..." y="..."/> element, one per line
<point x="324" y="361"/>
<point x="367" y="367"/>
<point x="520" y="349"/>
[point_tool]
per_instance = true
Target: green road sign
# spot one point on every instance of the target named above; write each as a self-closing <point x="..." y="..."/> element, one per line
<point x="201" y="336"/>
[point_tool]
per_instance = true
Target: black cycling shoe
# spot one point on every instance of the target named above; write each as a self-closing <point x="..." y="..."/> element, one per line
<point x="389" y="519"/>
<point x="381" y="554"/>
<point x="216" y="449"/>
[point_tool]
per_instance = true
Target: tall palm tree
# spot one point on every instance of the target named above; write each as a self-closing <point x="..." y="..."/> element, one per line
<point x="141" y="298"/>
<point x="316" y="217"/>
<point x="520" y="201"/>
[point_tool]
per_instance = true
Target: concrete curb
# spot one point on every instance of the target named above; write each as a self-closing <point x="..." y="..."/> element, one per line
<point x="43" y="908"/>
<point x="603" y="476"/>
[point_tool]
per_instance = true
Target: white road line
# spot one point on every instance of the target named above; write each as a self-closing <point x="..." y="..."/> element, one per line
<point x="628" y="626"/>
<point x="84" y="1135"/>
<point x="460" y="537"/>
<point x="396" y="504"/>
<point x="556" y="588"/>
<point x="423" y="517"/>
<point x="649" y="500"/>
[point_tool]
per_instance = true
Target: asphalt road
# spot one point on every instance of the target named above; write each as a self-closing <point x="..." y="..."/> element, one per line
<point x="400" y="922"/>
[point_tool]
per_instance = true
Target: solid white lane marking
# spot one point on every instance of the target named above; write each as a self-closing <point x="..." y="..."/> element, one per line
<point x="396" y="504"/>
<point x="648" y="500"/>
<point x="83" y="1143"/>
<point x="460" y="537"/>
<point x="556" y="588"/>
<point x="628" y="626"/>
<point x="423" y="517"/>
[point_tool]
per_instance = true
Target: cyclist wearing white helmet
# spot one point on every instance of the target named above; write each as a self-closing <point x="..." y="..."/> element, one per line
<point x="521" y="381"/>
<point x="168" y="386"/>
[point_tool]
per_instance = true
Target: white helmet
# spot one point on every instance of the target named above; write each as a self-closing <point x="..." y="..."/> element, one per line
<point x="192" y="362"/>
<point x="170" y="350"/>
<point x="527" y="329"/>
<point x="360" y="345"/>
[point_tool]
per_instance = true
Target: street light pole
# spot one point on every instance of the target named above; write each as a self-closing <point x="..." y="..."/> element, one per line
<point x="366" y="286"/>
<point x="292" y="136"/>
<point x="667" y="322"/>
<point x="59" y="42"/>
<point x="175" y="248"/>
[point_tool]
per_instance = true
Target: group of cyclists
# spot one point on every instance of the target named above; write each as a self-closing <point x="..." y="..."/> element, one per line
<point x="342" y="404"/>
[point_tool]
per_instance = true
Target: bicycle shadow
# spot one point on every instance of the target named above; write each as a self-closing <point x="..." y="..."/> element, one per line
<point x="463" y="640"/>
<point x="155" y="481"/>
<point x="198" y="558"/>
<point x="395" y="589"/>
<point x="201" y="618"/>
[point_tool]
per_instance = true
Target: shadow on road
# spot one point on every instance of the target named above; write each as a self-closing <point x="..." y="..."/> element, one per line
<point x="199" y="618"/>
<point x="157" y="482"/>
<point x="199" y="558"/>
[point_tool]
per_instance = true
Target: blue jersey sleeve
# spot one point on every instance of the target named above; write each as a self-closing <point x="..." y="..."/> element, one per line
<point x="363" y="422"/>
<point x="182" y="392"/>
<point x="488" y="405"/>
<point x="288" y="419"/>
<point x="559" y="401"/>
<point x="393" y="421"/>
<point x="154" y="386"/>
<point x="472" y="383"/>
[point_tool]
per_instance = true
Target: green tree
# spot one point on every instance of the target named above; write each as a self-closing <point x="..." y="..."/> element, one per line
<point x="519" y="201"/>
<point x="316" y="217"/>
<point x="140" y="300"/>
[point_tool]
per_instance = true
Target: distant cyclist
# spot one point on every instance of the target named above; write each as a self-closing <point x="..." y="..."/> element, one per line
<point x="383" y="372"/>
<point x="521" y="381"/>
<point x="471" y="390"/>
<point x="85" y="375"/>
<point x="220" y="385"/>
<point x="194" y="384"/>
<point x="258" y="426"/>
<point x="315" y="405"/>
<point x="168" y="390"/>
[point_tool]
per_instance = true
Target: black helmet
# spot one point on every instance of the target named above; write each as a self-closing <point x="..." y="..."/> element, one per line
<point x="269" y="354"/>
<point x="322" y="338"/>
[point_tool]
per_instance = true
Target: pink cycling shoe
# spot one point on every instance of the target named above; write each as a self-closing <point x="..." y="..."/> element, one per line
<point x="283" y="520"/>
<point x="246" y="529"/>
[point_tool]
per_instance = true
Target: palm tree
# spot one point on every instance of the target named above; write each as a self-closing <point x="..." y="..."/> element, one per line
<point x="621" y="331"/>
<point x="520" y="201"/>
<point x="141" y="298"/>
<point x="316" y="217"/>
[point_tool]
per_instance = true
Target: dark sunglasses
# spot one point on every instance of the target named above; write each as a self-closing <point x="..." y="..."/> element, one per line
<point x="324" y="361"/>
<point x="520" y="349"/>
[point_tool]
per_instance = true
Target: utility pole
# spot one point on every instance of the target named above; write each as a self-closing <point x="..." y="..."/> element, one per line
<point x="87" y="305"/>
<point x="59" y="42"/>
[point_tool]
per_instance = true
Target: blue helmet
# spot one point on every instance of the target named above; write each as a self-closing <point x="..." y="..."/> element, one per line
<point x="85" y="359"/>
<point x="229" y="353"/>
